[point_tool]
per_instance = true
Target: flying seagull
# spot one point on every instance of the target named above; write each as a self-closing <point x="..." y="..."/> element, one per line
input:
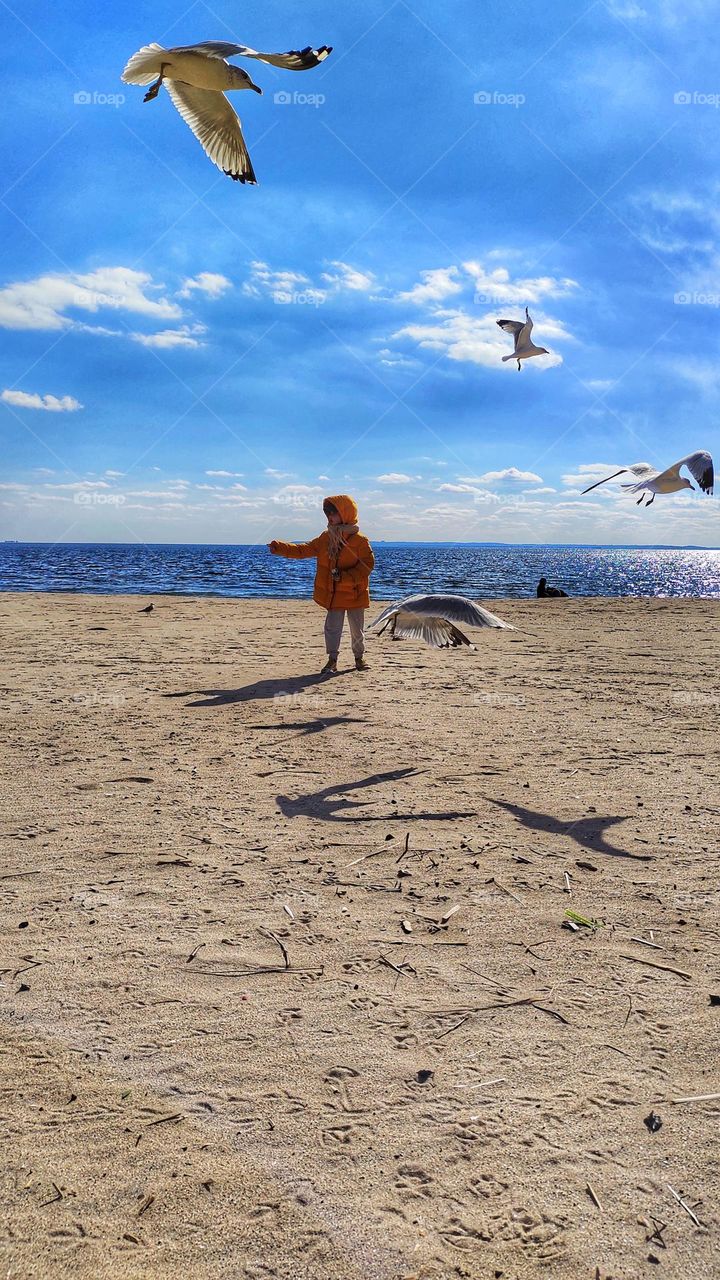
<point x="700" y="466"/>
<point x="432" y="619"/>
<point x="524" y="346"/>
<point x="196" y="76"/>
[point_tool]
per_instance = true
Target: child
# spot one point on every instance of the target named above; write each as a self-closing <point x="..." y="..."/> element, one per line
<point x="344" y="563"/>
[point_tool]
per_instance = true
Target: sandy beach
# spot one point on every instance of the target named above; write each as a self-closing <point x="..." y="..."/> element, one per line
<point x="285" y="986"/>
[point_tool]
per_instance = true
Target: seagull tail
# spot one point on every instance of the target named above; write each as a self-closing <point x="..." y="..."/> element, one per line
<point x="144" y="66"/>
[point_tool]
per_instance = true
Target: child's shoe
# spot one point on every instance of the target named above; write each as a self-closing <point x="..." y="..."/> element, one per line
<point x="330" y="667"/>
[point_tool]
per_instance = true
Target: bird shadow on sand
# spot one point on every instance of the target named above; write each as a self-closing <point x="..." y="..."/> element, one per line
<point x="587" y="832"/>
<point x="330" y="804"/>
<point x="304" y="728"/>
<point x="282" y="686"/>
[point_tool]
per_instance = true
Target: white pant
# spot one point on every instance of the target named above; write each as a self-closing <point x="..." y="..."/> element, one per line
<point x="334" y="621"/>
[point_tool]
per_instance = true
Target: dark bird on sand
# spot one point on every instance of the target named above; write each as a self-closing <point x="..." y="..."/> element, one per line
<point x="545" y="592"/>
<point x="148" y="609"/>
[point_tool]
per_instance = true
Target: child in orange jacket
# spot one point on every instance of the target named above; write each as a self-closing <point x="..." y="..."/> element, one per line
<point x="345" y="561"/>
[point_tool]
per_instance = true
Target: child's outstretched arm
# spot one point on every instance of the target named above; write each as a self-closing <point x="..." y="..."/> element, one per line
<point x="295" y="550"/>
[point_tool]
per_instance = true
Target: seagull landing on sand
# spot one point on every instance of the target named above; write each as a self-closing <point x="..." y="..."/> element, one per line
<point x="700" y="466"/>
<point x="524" y="346"/>
<point x="196" y="76"/>
<point x="432" y="619"/>
<point x="148" y="609"/>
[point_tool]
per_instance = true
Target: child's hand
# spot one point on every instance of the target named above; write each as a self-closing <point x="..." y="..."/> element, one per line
<point x="273" y="547"/>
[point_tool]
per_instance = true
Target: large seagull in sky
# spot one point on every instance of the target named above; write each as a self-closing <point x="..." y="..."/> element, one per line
<point x="197" y="77"/>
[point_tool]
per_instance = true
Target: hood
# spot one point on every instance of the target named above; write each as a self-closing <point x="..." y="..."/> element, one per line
<point x="346" y="506"/>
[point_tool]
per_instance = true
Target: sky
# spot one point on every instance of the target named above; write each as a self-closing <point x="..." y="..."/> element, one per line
<point x="187" y="359"/>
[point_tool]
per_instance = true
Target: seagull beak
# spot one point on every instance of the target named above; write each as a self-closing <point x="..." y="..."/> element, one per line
<point x="256" y="88"/>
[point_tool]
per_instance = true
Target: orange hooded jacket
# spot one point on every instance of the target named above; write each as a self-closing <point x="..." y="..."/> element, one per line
<point x="355" y="562"/>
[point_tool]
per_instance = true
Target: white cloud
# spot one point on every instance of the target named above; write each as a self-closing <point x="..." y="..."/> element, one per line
<point x="277" y="475"/>
<point x="229" y="475"/>
<point x="396" y="477"/>
<point x="434" y="286"/>
<point x="32" y="400"/>
<point x="210" y="283"/>
<point x="185" y="336"/>
<point x="508" y="473"/>
<point x="496" y="286"/>
<point x="347" y="277"/>
<point x="542" y="489"/>
<point x="114" y="474"/>
<point x="43" y="303"/>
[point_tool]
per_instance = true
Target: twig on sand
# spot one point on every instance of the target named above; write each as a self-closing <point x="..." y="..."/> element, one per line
<point x="403" y="969"/>
<point x="177" y="1115"/>
<point x="58" y="1195"/>
<point x="260" y="970"/>
<point x="145" y="1205"/>
<point x="194" y="952"/>
<point x="454" y="1027"/>
<point x="700" y="1097"/>
<point x="684" y="1206"/>
<point x="16" y="875"/>
<point x="268" y="933"/>
<point x="654" y="964"/>
<point x="593" y="1197"/>
<point x="645" y="943"/>
<point x="373" y="854"/>
<point x="509" y="892"/>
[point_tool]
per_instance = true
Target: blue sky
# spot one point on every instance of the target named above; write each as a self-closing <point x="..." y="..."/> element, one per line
<point x="187" y="359"/>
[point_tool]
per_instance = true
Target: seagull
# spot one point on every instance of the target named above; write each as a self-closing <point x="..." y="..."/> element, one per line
<point x="700" y="466"/>
<point x="148" y="609"/>
<point x="196" y="77"/>
<point x="431" y="618"/>
<point x="524" y="347"/>
<point x="544" y="591"/>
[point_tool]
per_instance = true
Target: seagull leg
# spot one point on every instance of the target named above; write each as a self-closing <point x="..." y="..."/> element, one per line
<point x="154" y="89"/>
<point x="650" y="501"/>
<point x="519" y="367"/>
<point x="640" y="499"/>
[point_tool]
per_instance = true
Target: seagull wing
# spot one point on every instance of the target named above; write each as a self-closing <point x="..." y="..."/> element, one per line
<point x="511" y="326"/>
<point x="216" y="127"/>
<point x="385" y="616"/>
<point x="437" y="632"/>
<point x="452" y="609"/>
<point x="210" y="49"/>
<point x="700" y="466"/>
<point x="455" y="609"/>
<point x="293" y="60"/>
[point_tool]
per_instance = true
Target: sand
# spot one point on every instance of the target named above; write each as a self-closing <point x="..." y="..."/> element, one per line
<point x="285" y="986"/>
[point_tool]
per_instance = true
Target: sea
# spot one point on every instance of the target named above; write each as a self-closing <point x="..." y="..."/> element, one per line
<point x="479" y="570"/>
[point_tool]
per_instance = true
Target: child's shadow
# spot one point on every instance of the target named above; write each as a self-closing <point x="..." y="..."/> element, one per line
<point x="282" y="686"/>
